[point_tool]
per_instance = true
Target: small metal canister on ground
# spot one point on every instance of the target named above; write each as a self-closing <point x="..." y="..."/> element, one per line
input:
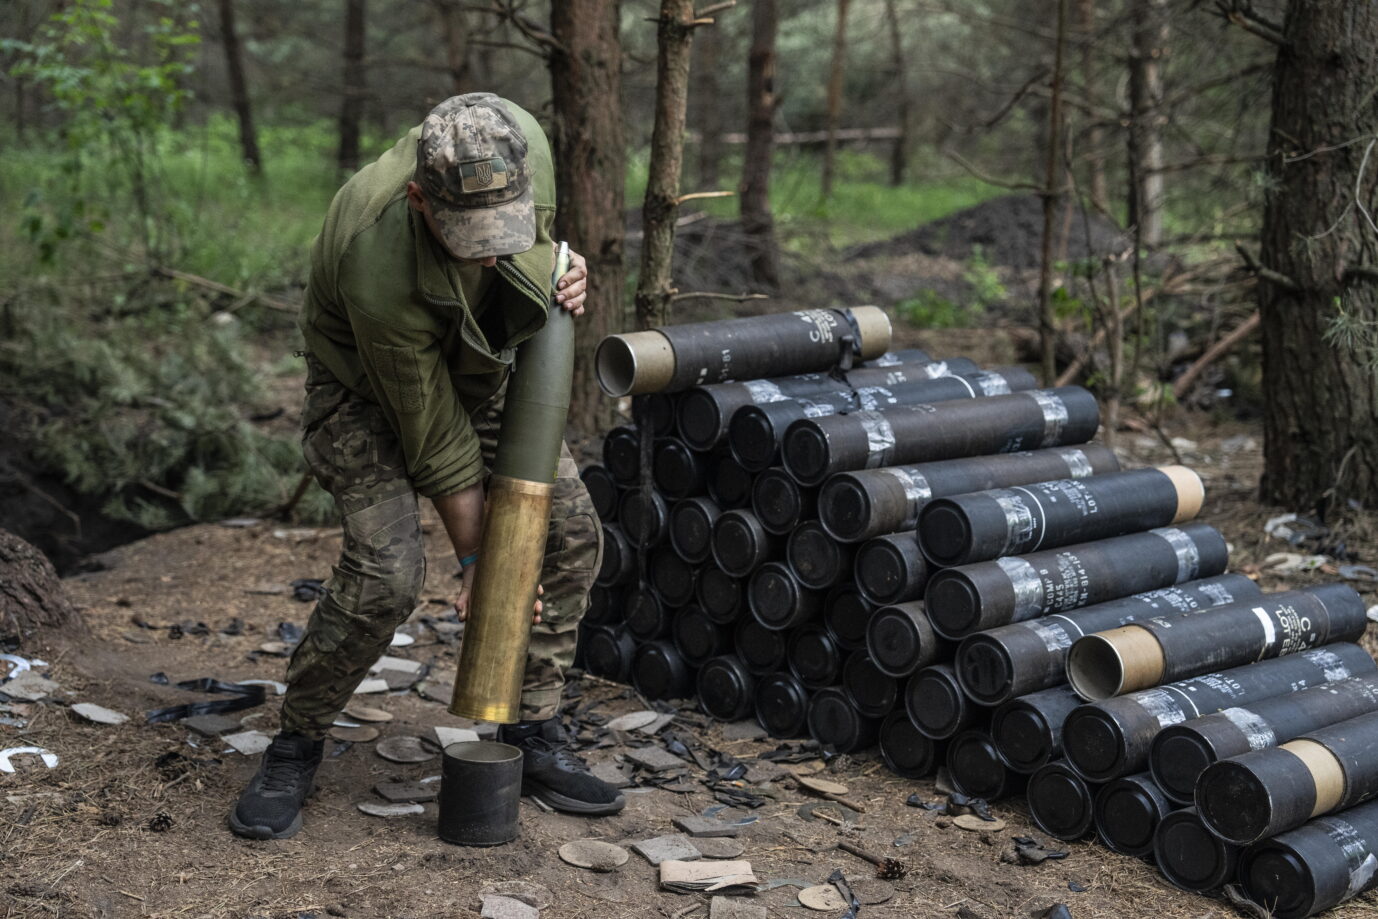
<point x="480" y="793"/>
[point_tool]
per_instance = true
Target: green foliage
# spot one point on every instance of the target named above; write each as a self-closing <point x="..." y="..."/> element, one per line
<point x="116" y="106"/>
<point x="1353" y="333"/>
<point x="931" y="310"/>
<point x="146" y="411"/>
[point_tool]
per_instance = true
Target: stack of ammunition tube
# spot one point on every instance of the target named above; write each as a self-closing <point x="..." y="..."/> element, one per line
<point x="933" y="558"/>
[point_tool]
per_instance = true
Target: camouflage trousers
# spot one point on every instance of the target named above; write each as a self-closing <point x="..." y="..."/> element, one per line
<point x="375" y="585"/>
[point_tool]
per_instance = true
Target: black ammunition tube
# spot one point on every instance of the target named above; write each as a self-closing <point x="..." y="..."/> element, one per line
<point x="872" y="692"/>
<point x="777" y="599"/>
<point x="1181" y="752"/>
<point x="608" y="652"/>
<point x="722" y="597"/>
<point x="619" y="558"/>
<point x="705" y="411"/>
<point x="1107" y="739"/>
<point x="660" y="409"/>
<point x="1310" y="869"/>
<point x="622" y="455"/>
<point x="846" y="614"/>
<point x="675" y="357"/>
<point x="699" y="638"/>
<point x="1061" y="803"/>
<point x="1191" y="856"/>
<point x="754" y="432"/>
<point x="901" y="640"/>
<point x="605" y="605"/>
<point x="1045" y="515"/>
<point x="728" y="483"/>
<point x="671" y="576"/>
<point x="814" y="657"/>
<point x="817" y="560"/>
<point x="1028" y="730"/>
<point x="976" y="768"/>
<point x="781" y="503"/>
<point x="647" y="616"/>
<point x="644" y="516"/>
<point x="658" y="671"/>
<point x="762" y="650"/>
<point x="836" y="725"/>
<point x="1023" y="657"/>
<point x="983" y="595"/>
<point x="741" y="544"/>
<point x="677" y="471"/>
<point x="815" y="448"/>
<point x="603" y="491"/>
<point x="1158" y="650"/>
<point x="691" y="528"/>
<point x="906" y="752"/>
<point x="935" y="702"/>
<point x="1271" y="791"/>
<point x="890" y="569"/>
<point x="903" y="356"/>
<point x="727" y="690"/>
<point x="1128" y="811"/>
<point x="871" y="502"/>
<point x="782" y="705"/>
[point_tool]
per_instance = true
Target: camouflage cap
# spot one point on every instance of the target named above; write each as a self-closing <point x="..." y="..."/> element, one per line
<point x="471" y="163"/>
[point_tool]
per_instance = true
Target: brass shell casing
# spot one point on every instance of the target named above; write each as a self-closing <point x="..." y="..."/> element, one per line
<point x="492" y="658"/>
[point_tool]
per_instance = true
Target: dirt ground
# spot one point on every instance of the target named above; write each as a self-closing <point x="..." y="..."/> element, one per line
<point x="80" y="840"/>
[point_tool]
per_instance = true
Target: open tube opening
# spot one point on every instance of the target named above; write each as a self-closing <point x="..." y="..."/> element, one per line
<point x="635" y="363"/>
<point x="1095" y="668"/>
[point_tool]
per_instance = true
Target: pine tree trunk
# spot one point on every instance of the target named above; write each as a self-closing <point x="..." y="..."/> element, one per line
<point x="899" y="153"/>
<point x="590" y="164"/>
<point x="836" y="75"/>
<point x="239" y="88"/>
<point x="1095" y="134"/>
<point x="1320" y="396"/>
<point x="707" y="107"/>
<point x="352" y="107"/>
<point x="674" y="38"/>
<point x="32" y="600"/>
<point x="454" y="30"/>
<point x="1146" y="118"/>
<point x="758" y="226"/>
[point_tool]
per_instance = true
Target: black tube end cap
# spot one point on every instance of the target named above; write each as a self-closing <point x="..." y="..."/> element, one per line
<point x="944" y="533"/>
<point x="805" y="451"/>
<point x="953" y="604"/>
<point x="753" y="437"/>
<point x="1127" y="817"/>
<point x="1060" y="802"/>
<point x="1190" y="856"/>
<point x="1177" y="761"/>
<point x="1093" y="743"/>
<point x="1022" y="736"/>
<point x="845" y="508"/>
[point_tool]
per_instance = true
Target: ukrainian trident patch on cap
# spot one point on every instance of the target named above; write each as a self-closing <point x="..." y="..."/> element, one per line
<point x="483" y="175"/>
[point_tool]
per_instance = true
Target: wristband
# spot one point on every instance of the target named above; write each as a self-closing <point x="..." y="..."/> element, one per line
<point x="467" y="560"/>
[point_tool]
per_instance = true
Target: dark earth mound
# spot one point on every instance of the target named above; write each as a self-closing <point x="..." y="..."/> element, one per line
<point x="1009" y="232"/>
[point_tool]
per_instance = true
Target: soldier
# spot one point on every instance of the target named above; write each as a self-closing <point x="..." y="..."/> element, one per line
<point x="433" y="264"/>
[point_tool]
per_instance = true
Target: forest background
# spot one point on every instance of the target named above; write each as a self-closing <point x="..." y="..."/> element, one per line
<point x="1114" y="185"/>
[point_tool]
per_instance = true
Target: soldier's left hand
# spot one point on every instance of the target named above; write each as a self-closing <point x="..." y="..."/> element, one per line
<point x="571" y="289"/>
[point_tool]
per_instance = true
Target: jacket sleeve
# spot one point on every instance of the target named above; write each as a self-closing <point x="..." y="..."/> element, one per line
<point x="409" y="375"/>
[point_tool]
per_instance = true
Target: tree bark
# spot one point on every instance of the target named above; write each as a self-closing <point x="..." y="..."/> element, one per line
<point x="32" y="600"/>
<point x="758" y="225"/>
<point x="352" y="106"/>
<point x="1319" y="301"/>
<point x="454" y="31"/>
<point x="1095" y="134"/>
<point x="707" y="106"/>
<point x="674" y="39"/>
<point x="239" y="87"/>
<point x="899" y="153"/>
<point x="590" y="165"/>
<point x="1146" y="117"/>
<point x="1052" y="200"/>
<point x="836" y="75"/>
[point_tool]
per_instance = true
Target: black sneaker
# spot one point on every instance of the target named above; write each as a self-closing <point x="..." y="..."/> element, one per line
<point x="270" y="808"/>
<point x="552" y="773"/>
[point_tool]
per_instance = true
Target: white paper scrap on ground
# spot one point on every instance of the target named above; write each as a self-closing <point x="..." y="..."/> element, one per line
<point x="722" y="877"/>
<point x="250" y="743"/>
<point x="49" y="759"/>
<point x="99" y="713"/>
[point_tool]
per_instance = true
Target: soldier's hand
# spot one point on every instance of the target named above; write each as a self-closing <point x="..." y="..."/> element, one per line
<point x="466" y="587"/>
<point x="572" y="289"/>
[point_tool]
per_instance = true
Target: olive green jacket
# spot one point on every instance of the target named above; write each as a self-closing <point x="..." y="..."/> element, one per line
<point x="385" y="311"/>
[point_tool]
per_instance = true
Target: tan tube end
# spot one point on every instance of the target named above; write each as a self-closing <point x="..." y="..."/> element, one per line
<point x="1112" y="663"/>
<point x="1326" y="772"/>
<point x="634" y="363"/>
<point x="1191" y="493"/>
<point x="874" y="325"/>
